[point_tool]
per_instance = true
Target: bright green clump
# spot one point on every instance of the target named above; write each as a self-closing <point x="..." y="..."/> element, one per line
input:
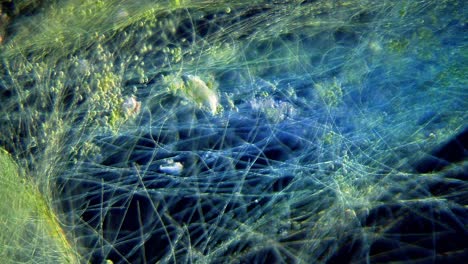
<point x="331" y="93"/>
<point x="195" y="90"/>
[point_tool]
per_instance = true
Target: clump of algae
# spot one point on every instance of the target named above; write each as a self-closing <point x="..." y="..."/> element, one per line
<point x="30" y="232"/>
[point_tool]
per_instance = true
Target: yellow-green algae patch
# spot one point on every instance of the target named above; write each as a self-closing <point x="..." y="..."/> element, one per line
<point x="30" y="232"/>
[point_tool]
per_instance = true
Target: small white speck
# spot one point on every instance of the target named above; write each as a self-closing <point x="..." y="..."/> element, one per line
<point x="173" y="168"/>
